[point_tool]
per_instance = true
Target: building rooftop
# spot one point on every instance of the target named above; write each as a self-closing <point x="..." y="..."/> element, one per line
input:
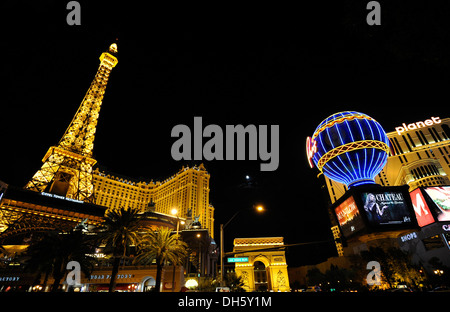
<point x="258" y="241"/>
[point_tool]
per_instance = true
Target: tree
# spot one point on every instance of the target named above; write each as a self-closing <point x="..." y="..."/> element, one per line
<point x="208" y="284"/>
<point x="162" y="246"/>
<point x="122" y="228"/>
<point x="339" y="279"/>
<point x="315" y="277"/>
<point x="235" y="282"/>
<point x="396" y="266"/>
<point x="439" y="272"/>
<point x="51" y="253"/>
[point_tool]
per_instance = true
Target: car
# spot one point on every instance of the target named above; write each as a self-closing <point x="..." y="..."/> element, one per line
<point x="403" y="289"/>
<point x="313" y="289"/>
<point x="441" y="289"/>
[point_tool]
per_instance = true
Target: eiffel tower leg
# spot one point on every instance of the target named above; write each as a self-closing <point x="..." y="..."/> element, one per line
<point x="81" y="186"/>
<point x="44" y="177"/>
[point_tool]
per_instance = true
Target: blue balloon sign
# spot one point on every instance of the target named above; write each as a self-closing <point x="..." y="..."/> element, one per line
<point x="349" y="147"/>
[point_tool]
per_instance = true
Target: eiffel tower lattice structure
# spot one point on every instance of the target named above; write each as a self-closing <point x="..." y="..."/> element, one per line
<point x="67" y="167"/>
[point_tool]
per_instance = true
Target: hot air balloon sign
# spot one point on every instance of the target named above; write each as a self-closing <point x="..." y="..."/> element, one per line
<point x="349" y="147"/>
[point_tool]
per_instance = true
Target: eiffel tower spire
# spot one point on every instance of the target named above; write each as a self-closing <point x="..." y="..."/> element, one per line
<point x="67" y="168"/>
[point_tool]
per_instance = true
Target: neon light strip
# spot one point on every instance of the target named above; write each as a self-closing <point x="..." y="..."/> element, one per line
<point x="351" y="147"/>
<point x="343" y="165"/>
<point x="348" y="155"/>
<point x="365" y="150"/>
<point x="340" y="120"/>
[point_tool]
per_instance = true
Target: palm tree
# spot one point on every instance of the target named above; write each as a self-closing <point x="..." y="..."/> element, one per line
<point x="54" y="250"/>
<point x="120" y="230"/>
<point x="161" y="246"/>
<point x="235" y="282"/>
<point x="41" y="255"/>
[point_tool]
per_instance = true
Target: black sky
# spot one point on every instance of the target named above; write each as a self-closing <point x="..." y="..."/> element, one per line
<point x="274" y="65"/>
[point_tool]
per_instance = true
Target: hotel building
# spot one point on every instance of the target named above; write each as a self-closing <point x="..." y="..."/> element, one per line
<point x="187" y="191"/>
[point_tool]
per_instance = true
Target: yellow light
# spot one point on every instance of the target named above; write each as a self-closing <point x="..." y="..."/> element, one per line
<point x="191" y="283"/>
<point x="113" y="48"/>
<point x="174" y="211"/>
<point x="260" y="208"/>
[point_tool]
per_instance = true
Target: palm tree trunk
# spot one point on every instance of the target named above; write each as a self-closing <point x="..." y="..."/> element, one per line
<point x="55" y="286"/>
<point x="115" y="270"/>
<point x="47" y="273"/>
<point x="58" y="274"/>
<point x="158" y="275"/>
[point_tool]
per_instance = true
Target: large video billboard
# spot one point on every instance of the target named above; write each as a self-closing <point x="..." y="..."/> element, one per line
<point x="421" y="209"/>
<point x="349" y="217"/>
<point x="441" y="197"/>
<point x="374" y="208"/>
<point x="386" y="208"/>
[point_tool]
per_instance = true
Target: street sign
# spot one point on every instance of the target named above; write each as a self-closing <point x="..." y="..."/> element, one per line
<point x="241" y="259"/>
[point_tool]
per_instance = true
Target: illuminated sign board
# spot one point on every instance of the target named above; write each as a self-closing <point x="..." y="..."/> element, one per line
<point x="62" y="197"/>
<point x="408" y="237"/>
<point x="9" y="278"/>
<point x="348" y="147"/>
<point x="108" y="276"/>
<point x="311" y="149"/>
<point x="421" y="209"/>
<point x="417" y="125"/>
<point x="386" y="208"/>
<point x="441" y="197"/>
<point x="241" y="259"/>
<point x="348" y="217"/>
<point x="372" y="209"/>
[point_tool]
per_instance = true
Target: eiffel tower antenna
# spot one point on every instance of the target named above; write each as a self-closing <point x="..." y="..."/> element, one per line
<point x="67" y="168"/>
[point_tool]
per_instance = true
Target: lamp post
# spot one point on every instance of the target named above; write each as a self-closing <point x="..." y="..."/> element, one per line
<point x="174" y="212"/>
<point x="199" y="269"/>
<point x="258" y="208"/>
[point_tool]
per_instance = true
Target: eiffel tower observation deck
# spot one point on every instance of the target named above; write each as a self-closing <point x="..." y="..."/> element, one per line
<point x="67" y="167"/>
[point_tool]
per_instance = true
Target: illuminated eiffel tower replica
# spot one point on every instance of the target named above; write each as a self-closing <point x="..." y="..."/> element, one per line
<point x="67" y="168"/>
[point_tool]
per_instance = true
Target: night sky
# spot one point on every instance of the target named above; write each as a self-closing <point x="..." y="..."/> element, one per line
<point x="273" y="65"/>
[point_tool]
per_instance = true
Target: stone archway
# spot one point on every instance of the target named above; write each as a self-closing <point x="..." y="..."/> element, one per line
<point x="148" y="284"/>
<point x="260" y="276"/>
<point x="265" y="269"/>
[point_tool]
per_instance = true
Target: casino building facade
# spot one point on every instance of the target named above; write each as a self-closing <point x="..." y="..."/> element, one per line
<point x="419" y="158"/>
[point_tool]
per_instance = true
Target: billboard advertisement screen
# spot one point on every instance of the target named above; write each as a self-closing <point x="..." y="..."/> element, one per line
<point x="348" y="217"/>
<point x="421" y="209"/>
<point x="386" y="208"/>
<point x="441" y="197"/>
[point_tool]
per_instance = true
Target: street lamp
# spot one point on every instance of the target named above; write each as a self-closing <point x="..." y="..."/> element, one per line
<point x="259" y="209"/>
<point x="199" y="268"/>
<point x="438" y="272"/>
<point x="174" y="212"/>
